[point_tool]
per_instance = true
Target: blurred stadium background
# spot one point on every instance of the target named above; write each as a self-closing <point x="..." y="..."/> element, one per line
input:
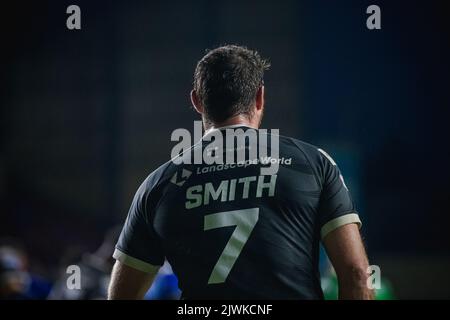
<point x="86" y="115"/>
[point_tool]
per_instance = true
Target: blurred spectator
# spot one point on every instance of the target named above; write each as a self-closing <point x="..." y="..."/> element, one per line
<point x="95" y="271"/>
<point x="95" y="274"/>
<point x="165" y="285"/>
<point x="16" y="281"/>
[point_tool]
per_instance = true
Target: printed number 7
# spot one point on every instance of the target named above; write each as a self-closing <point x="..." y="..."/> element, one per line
<point x="244" y="220"/>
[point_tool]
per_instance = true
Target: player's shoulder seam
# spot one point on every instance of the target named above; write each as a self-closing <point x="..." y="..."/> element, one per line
<point x="164" y="168"/>
<point x="301" y="145"/>
<point x="158" y="173"/>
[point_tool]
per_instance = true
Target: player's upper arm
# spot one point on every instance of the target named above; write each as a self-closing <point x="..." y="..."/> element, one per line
<point x="348" y="257"/>
<point x="128" y="283"/>
<point x="345" y="249"/>
<point x="339" y="228"/>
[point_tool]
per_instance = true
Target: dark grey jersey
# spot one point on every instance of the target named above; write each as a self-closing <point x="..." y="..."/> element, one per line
<point x="230" y="232"/>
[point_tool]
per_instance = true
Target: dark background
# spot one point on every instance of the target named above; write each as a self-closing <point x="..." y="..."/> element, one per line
<point x="86" y="115"/>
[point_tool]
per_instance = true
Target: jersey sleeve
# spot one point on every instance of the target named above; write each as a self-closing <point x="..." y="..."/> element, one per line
<point x="336" y="206"/>
<point x="139" y="246"/>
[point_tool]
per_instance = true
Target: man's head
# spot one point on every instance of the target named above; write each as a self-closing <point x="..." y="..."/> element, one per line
<point x="228" y="84"/>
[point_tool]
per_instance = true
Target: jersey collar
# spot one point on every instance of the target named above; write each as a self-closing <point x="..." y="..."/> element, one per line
<point x="213" y="129"/>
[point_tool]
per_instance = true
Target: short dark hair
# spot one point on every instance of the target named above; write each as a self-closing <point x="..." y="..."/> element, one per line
<point x="227" y="79"/>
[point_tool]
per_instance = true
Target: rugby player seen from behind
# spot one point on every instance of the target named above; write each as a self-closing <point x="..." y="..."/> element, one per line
<point x="231" y="232"/>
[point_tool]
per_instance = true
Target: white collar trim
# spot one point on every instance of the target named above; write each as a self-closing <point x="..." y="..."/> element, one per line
<point x="212" y="129"/>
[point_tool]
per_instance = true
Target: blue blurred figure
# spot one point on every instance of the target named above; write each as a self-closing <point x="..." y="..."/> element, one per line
<point x="165" y="285"/>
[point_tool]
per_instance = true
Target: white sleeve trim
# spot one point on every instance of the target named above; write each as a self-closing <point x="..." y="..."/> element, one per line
<point x="134" y="263"/>
<point x="327" y="156"/>
<point x="339" y="222"/>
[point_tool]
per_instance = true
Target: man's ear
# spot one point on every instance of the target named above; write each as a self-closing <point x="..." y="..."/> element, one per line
<point x="260" y="98"/>
<point x="196" y="102"/>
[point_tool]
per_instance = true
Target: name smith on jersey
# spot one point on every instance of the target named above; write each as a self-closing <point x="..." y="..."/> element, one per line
<point x="230" y="190"/>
